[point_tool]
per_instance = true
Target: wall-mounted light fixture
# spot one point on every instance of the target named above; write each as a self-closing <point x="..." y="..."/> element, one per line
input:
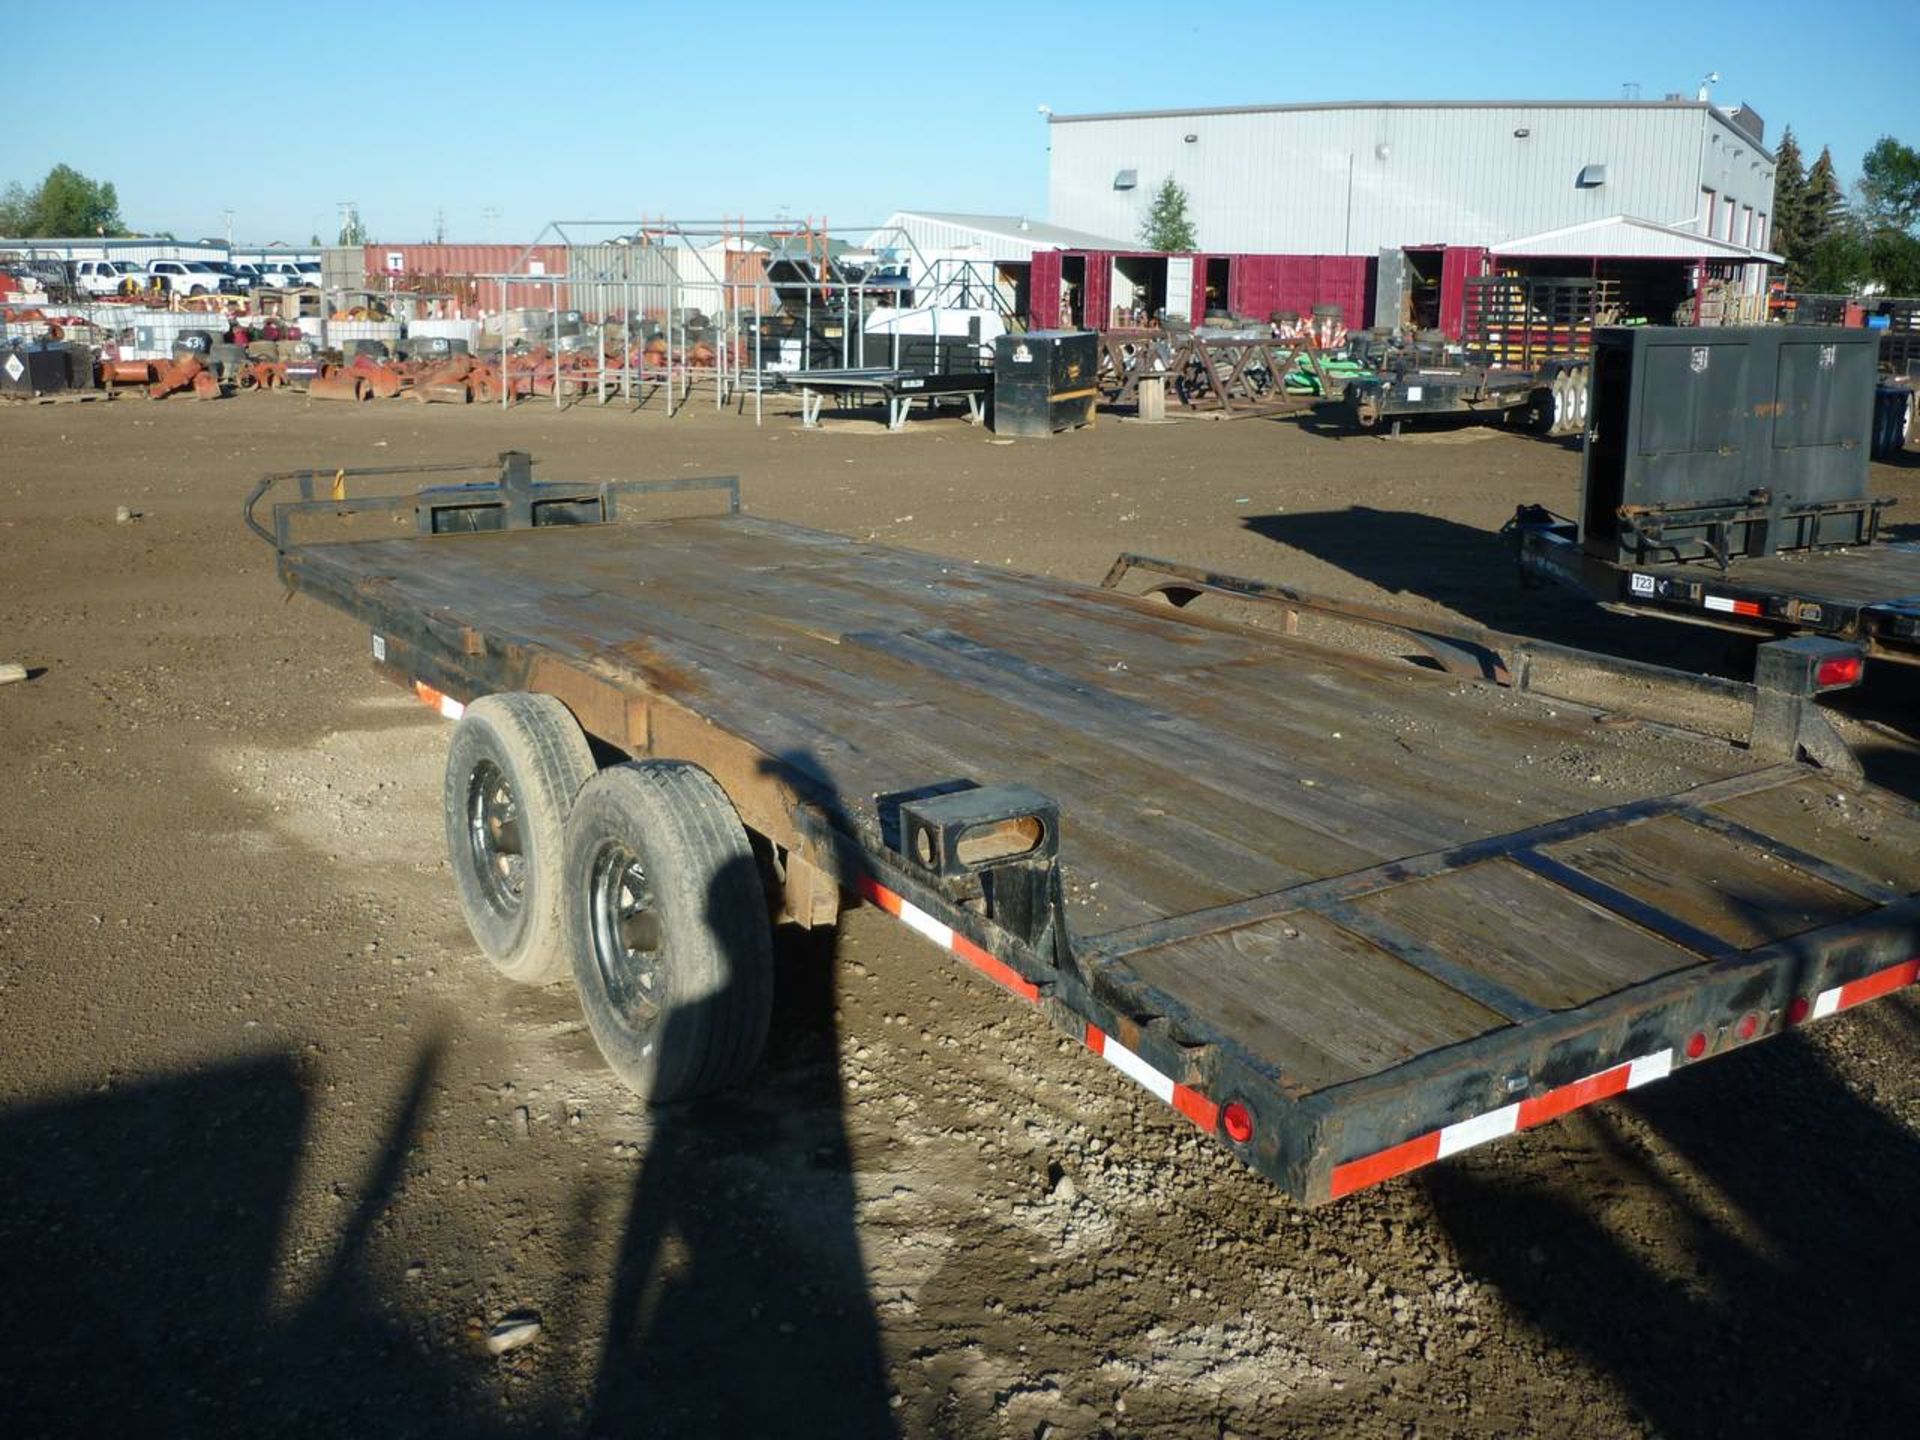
<point x="1190" y="137"/>
<point x="1126" y="179"/>
<point x="1522" y="133"/>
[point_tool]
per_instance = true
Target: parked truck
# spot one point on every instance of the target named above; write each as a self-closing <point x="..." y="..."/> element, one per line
<point x="1313" y="899"/>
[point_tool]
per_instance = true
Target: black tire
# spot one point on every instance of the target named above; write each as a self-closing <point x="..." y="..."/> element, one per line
<point x="515" y="764"/>
<point x="672" y="953"/>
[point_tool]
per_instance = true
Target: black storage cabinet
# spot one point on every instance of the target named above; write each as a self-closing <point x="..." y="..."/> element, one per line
<point x="33" y="370"/>
<point x="1734" y="440"/>
<point x="1043" y="382"/>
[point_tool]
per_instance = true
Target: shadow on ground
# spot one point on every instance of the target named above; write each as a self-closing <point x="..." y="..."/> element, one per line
<point x="145" y="1279"/>
<point x="1765" y="1299"/>
<point x="1473" y="573"/>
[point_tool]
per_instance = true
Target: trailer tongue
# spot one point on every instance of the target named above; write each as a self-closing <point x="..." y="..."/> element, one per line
<point x="1347" y="915"/>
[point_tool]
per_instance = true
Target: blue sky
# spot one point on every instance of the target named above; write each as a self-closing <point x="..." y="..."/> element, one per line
<point x="845" y="111"/>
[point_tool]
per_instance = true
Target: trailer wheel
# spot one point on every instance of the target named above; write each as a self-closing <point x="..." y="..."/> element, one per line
<point x="1539" y="412"/>
<point x="515" y="764"/>
<point x="671" y="950"/>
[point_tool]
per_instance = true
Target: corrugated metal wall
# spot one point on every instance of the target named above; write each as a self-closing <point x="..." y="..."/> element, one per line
<point x="452" y="267"/>
<point x="1259" y="285"/>
<point x="140" y="251"/>
<point x="1354" y="180"/>
<point x="930" y="235"/>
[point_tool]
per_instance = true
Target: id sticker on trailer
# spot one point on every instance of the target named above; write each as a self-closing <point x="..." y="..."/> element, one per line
<point x="380" y="648"/>
<point x="1642" y="584"/>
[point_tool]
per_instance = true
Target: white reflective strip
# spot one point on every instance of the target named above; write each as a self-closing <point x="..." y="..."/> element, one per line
<point x="451" y="708"/>
<point x="1825" y="1004"/>
<point x="1656" y="1066"/>
<point x="1718" y="602"/>
<point x="914" y="918"/>
<point x="1128" y="1063"/>
<point x="1481" y="1128"/>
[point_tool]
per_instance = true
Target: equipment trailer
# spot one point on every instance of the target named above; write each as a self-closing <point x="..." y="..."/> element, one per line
<point x="1523" y="356"/>
<point x="1347" y="915"/>
<point x="1725" y="482"/>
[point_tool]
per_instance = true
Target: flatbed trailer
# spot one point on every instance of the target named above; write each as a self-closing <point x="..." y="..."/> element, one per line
<point x="1725" y="482"/>
<point x="897" y="389"/>
<point x="1324" y="903"/>
<point x="1391" y="397"/>
<point x="1867" y="594"/>
<point x="1525" y="356"/>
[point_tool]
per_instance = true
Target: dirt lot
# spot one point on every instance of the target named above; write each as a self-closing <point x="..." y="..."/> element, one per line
<point x="276" y="1146"/>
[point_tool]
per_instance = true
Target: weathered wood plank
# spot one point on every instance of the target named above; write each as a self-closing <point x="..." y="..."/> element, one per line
<point x="1538" y="940"/>
<point x="1319" y="1003"/>
<point x="1735" y="892"/>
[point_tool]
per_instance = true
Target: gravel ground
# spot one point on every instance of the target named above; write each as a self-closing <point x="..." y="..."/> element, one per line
<point x="280" y="1152"/>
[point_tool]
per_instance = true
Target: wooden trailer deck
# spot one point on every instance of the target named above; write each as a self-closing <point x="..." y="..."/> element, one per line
<point x="1865" y="575"/>
<point x="1279" y="860"/>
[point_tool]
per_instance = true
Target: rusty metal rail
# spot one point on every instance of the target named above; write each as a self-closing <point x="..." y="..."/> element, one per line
<point x="1784" y="720"/>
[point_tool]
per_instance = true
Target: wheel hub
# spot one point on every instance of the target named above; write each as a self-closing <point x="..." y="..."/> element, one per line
<point x="626" y="933"/>
<point x="494" y="843"/>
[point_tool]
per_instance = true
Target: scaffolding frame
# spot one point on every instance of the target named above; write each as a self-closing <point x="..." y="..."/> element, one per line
<point x="642" y="272"/>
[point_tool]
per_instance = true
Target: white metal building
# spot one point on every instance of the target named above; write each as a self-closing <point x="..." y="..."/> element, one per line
<point x="1359" y="178"/>
<point x="968" y="264"/>
<point x="139" y="250"/>
<point x="989" y="237"/>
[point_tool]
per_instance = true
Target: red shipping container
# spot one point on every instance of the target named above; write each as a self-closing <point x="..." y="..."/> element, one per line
<point x="420" y="266"/>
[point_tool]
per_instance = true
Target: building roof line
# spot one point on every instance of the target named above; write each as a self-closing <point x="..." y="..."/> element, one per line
<point x="1709" y="248"/>
<point x="1304" y="106"/>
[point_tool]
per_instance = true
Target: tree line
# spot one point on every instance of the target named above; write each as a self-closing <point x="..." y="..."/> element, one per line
<point x="1836" y="246"/>
<point x="64" y="204"/>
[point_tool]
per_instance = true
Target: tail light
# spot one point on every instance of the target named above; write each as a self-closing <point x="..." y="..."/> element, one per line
<point x="1839" y="670"/>
<point x="1237" y="1121"/>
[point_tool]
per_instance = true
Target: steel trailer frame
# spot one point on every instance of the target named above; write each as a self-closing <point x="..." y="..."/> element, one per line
<point x="897" y="389"/>
<point x="1005" y="915"/>
<point x="1867" y="595"/>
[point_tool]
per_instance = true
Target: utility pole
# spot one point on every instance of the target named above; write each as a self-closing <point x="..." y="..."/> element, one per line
<point x="489" y="215"/>
<point x="439" y="227"/>
<point x="227" y="215"/>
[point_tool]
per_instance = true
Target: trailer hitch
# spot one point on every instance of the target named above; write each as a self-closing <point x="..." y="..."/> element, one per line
<point x="996" y="847"/>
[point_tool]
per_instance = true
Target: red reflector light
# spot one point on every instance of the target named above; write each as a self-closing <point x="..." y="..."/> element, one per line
<point x="1696" y="1044"/>
<point x="1237" y="1121"/>
<point x="1798" y="1009"/>
<point x="1748" y="1027"/>
<point x="1840" y="670"/>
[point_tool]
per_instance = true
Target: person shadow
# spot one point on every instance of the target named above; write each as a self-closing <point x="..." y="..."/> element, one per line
<point x="144" y="1273"/>
<point x="143" y="1283"/>
<point x="739" y="1300"/>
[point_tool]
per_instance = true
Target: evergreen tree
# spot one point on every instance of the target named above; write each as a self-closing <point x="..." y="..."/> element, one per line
<point x="1789" y="186"/>
<point x="1168" y="226"/>
<point x="1823" y="204"/>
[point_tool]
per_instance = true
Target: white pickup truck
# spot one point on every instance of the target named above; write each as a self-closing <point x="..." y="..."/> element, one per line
<point x="190" y="277"/>
<point x="109" y="277"/>
<point x="281" y="274"/>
